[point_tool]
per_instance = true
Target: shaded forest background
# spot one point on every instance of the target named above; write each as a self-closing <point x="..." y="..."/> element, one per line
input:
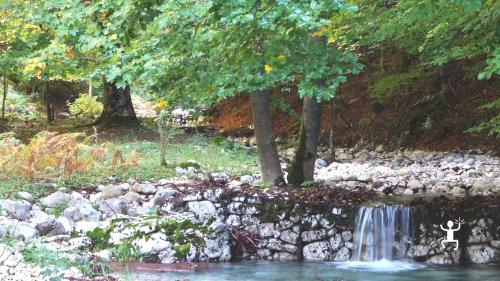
<point x="393" y="102"/>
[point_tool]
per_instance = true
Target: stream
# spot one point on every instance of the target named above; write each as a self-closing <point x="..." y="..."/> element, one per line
<point x="347" y="271"/>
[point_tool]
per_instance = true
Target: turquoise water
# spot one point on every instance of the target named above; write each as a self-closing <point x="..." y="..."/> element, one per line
<point x="331" y="271"/>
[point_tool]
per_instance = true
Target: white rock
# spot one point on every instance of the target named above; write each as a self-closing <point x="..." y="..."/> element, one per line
<point x="82" y="212"/>
<point x="132" y="197"/>
<point x="114" y="206"/>
<point x="247" y="179"/>
<point x="204" y="210"/>
<point x="164" y="195"/>
<point x="55" y="199"/>
<point x="317" y="251"/>
<point x="144" y="188"/>
<point x="458" y="191"/>
<point x="25" y="196"/>
<point x="313" y="235"/>
<point x="415" y="184"/>
<point x="336" y="242"/>
<point x="111" y="191"/>
<point x="18" y="210"/>
<point x="320" y="163"/>
<point x="289" y="236"/>
<point x="266" y="230"/>
<point x="344" y="254"/>
<point x="481" y="254"/>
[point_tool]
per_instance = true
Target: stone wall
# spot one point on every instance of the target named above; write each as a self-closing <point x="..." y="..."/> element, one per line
<point x="478" y="237"/>
<point x="198" y="221"/>
<point x="263" y="228"/>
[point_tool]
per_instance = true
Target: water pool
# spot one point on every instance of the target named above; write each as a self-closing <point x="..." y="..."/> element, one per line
<point x="331" y="271"/>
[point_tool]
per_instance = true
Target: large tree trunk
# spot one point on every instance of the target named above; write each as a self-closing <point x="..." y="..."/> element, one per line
<point x="118" y="109"/>
<point x="5" y="88"/>
<point x="266" y="140"/>
<point x="302" y="168"/>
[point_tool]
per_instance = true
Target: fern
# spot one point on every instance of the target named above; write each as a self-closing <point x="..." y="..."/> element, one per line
<point x="389" y="85"/>
<point x="492" y="126"/>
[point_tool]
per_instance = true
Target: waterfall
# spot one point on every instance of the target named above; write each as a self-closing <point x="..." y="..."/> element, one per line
<point x="381" y="232"/>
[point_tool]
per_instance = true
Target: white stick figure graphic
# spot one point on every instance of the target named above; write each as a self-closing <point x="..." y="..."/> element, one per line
<point x="450" y="232"/>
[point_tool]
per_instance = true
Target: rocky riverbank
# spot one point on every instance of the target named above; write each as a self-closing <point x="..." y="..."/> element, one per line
<point x="410" y="172"/>
<point x="221" y="218"/>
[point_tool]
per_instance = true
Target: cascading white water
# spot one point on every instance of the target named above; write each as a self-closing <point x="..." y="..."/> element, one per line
<point x="382" y="233"/>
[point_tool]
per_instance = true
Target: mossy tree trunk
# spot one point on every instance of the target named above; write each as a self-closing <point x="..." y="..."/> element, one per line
<point x="332" y="133"/>
<point x="302" y="167"/>
<point x="4" y="98"/>
<point x="266" y="139"/>
<point x="118" y="109"/>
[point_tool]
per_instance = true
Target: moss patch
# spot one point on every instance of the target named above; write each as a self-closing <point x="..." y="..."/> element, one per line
<point x="182" y="234"/>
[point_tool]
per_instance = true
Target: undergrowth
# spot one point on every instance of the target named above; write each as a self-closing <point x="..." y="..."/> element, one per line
<point x="53" y="155"/>
<point x="54" y="264"/>
<point x="52" y="161"/>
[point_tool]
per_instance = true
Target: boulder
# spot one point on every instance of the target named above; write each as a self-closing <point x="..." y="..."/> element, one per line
<point x="480" y="233"/>
<point x="317" y="251"/>
<point x="203" y="210"/>
<point x="82" y="212"/>
<point x="19" y="210"/>
<point x="336" y="242"/>
<point x="23" y="231"/>
<point x="55" y="199"/>
<point x="289" y="236"/>
<point x="346" y="235"/>
<point x="266" y="230"/>
<point x="320" y="163"/>
<point x="111" y="191"/>
<point x="246" y="179"/>
<point x="216" y="249"/>
<point x="481" y="254"/>
<point x="114" y="206"/>
<point x="25" y="196"/>
<point x="164" y="195"/>
<point x="143" y="188"/>
<point x="132" y="196"/>
<point x="51" y="228"/>
<point x="344" y="254"/>
<point x="313" y="235"/>
<point x="458" y="191"/>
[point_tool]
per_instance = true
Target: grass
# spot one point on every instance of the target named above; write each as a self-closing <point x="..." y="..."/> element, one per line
<point x="58" y="210"/>
<point x="10" y="187"/>
<point x="53" y="263"/>
<point x="212" y="154"/>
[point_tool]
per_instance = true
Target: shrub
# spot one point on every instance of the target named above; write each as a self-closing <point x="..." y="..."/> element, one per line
<point x="86" y="106"/>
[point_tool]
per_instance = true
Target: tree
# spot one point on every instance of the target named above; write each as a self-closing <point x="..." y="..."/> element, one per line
<point x="14" y="45"/>
<point x="302" y="168"/>
<point x="95" y="37"/>
<point x="118" y="108"/>
<point x="215" y="49"/>
<point x="435" y="32"/>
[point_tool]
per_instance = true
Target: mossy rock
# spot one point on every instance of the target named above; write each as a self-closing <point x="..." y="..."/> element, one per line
<point x="181" y="233"/>
<point x="189" y="163"/>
